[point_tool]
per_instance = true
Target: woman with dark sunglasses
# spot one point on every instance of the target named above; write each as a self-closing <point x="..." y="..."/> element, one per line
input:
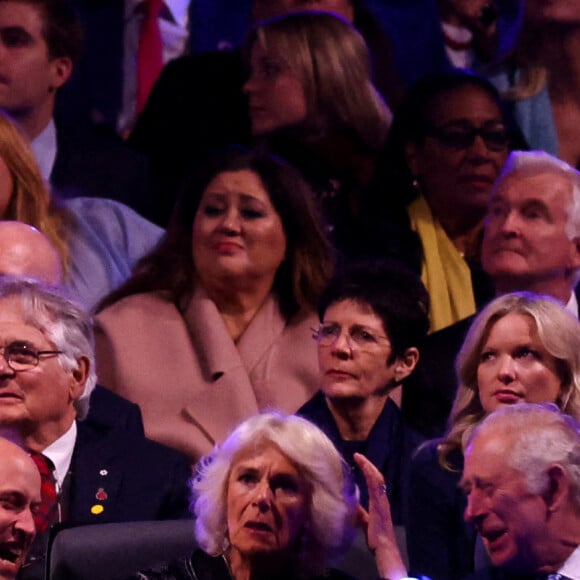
<point x="447" y="144"/>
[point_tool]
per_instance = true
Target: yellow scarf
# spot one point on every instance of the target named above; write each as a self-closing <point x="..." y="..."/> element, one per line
<point x="444" y="272"/>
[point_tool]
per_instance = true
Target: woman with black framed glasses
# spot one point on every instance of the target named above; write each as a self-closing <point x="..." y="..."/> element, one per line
<point x="448" y="142"/>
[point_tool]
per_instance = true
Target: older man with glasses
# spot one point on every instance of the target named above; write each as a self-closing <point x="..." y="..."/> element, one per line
<point x="90" y="474"/>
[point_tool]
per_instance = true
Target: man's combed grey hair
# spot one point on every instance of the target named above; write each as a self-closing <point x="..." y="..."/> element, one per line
<point x="62" y="321"/>
<point x="332" y="503"/>
<point x="536" y="162"/>
<point x="539" y="435"/>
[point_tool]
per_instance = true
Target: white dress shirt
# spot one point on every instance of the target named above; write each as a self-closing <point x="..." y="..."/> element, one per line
<point x="572" y="305"/>
<point x="571" y="567"/>
<point x="60" y="452"/>
<point x="44" y="148"/>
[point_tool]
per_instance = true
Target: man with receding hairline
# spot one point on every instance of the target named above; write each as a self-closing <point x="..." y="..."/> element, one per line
<point x="25" y="251"/>
<point x="19" y="495"/>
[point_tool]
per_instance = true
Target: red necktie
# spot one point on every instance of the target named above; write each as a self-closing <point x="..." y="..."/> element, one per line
<point x="150" y="53"/>
<point x="44" y="516"/>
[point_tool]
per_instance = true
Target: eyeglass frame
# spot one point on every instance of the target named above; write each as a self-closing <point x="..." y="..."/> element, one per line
<point x="352" y="342"/>
<point x="36" y="354"/>
<point x="473" y="132"/>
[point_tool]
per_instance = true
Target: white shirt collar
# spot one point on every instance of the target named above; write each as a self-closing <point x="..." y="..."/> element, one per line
<point x="572" y="305"/>
<point x="60" y="452"/>
<point x="571" y="567"/>
<point x="177" y="8"/>
<point x="44" y="148"/>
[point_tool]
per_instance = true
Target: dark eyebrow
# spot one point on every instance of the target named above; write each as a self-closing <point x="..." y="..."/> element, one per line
<point x="14" y="497"/>
<point x="15" y="31"/>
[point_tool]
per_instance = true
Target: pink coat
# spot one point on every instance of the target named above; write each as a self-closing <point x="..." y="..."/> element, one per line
<point x="192" y="382"/>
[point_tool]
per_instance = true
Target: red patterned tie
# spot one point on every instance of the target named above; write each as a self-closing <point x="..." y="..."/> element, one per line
<point x="150" y="53"/>
<point x="44" y="516"/>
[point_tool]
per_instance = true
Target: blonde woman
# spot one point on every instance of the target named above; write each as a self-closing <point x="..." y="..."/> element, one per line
<point x="521" y="348"/>
<point x="312" y="101"/>
<point x="542" y="77"/>
<point x="98" y="240"/>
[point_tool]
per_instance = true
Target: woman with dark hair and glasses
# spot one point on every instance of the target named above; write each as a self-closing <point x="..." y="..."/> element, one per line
<point x="447" y="144"/>
<point x="373" y="319"/>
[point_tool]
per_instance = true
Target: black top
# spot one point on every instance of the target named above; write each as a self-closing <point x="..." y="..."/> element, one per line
<point x="201" y="566"/>
<point x="389" y="446"/>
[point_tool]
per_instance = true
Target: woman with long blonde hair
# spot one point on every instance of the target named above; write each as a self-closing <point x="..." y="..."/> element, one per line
<point x="521" y="348"/>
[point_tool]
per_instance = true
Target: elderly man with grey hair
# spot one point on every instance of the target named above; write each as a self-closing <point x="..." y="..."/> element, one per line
<point x="94" y="474"/>
<point x="531" y="242"/>
<point x="532" y="232"/>
<point x="522" y="480"/>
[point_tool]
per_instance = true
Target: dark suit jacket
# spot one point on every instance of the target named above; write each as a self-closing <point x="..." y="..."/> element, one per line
<point x="440" y="544"/>
<point x="92" y="163"/>
<point x="130" y="477"/>
<point x="108" y="410"/>
<point x="117" y="475"/>
<point x="95" y="91"/>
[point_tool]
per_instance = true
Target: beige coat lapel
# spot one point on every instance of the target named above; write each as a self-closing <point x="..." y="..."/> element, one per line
<point x="227" y="397"/>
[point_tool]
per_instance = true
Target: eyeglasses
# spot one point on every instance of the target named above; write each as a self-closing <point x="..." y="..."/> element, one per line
<point x="494" y="135"/>
<point x="358" y="337"/>
<point x="20" y="357"/>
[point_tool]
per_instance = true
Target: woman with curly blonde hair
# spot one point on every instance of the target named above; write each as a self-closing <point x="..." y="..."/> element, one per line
<point x="521" y="348"/>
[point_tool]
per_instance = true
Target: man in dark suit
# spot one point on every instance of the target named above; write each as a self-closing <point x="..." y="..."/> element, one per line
<point x="531" y="243"/>
<point x="41" y="42"/>
<point x="521" y="478"/>
<point x="102" y="472"/>
<point x="103" y="87"/>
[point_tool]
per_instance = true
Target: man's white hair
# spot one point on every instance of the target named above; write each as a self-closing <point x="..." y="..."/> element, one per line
<point x="536" y="162"/>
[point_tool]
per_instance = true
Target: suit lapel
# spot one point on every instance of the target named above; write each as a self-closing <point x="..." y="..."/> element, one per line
<point x="96" y="478"/>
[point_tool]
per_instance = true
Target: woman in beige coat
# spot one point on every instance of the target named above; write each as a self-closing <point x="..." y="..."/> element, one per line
<point x="215" y="325"/>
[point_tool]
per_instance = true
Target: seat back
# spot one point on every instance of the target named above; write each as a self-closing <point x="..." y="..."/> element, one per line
<point x="110" y="551"/>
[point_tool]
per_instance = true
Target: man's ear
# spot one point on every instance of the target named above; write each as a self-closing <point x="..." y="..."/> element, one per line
<point x="79" y="378"/>
<point x="406" y="363"/>
<point x="61" y="69"/>
<point x="575" y="254"/>
<point x="559" y="489"/>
